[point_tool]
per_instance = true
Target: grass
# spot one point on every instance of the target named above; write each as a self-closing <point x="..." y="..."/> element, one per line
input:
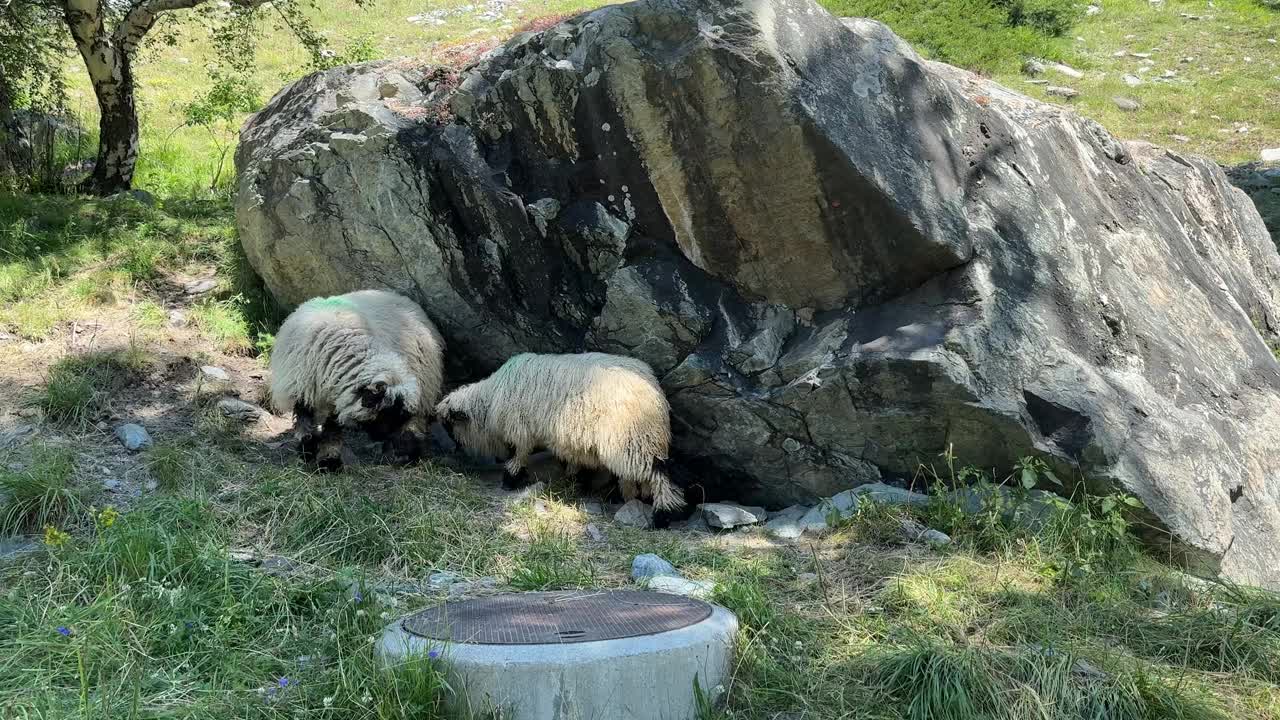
<point x="1224" y="102"/>
<point x="79" y="387"/>
<point x="856" y="624"/>
<point x="40" y="494"/>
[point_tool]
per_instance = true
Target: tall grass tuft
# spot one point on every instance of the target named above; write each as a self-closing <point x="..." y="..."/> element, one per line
<point x="43" y="493"/>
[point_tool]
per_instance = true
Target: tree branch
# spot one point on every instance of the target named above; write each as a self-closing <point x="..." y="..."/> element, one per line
<point x="143" y="14"/>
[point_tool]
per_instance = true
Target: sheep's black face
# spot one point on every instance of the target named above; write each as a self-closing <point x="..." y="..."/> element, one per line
<point x="451" y="421"/>
<point x="387" y="421"/>
<point x="373" y="396"/>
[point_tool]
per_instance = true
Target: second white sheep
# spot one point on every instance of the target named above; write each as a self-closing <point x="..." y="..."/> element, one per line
<point x="591" y="410"/>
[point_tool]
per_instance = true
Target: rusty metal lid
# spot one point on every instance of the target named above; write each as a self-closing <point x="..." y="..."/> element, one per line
<point x="538" y="618"/>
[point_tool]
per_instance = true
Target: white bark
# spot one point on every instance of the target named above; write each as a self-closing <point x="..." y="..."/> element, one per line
<point x="108" y="56"/>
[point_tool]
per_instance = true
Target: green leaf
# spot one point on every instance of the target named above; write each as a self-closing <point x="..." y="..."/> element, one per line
<point x="1028" y="478"/>
<point x="1052" y="478"/>
<point x="1133" y="502"/>
<point x="1108" y="504"/>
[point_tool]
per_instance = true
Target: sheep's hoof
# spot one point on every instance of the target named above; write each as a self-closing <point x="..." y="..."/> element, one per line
<point x="515" y="482"/>
<point x="332" y="463"/>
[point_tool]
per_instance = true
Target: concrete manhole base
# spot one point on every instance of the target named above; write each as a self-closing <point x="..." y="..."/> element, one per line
<point x="647" y="675"/>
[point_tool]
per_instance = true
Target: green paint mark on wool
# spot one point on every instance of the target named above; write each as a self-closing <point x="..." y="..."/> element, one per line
<point x="514" y="363"/>
<point x="337" y="301"/>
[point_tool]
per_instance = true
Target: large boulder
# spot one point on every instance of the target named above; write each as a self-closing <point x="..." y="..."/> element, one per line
<point x="841" y="259"/>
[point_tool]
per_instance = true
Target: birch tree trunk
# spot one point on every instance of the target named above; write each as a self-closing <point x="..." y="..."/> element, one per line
<point x="108" y="56"/>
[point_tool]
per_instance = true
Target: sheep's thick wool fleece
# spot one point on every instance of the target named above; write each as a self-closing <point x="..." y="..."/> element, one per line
<point x="336" y="344"/>
<point x="590" y="409"/>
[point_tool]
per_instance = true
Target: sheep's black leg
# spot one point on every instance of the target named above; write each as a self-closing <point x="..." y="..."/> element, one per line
<point x="305" y="430"/>
<point x="329" y="451"/>
<point x="515" y="473"/>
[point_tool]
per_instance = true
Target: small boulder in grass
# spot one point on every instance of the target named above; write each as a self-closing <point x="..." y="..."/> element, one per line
<point x="649" y="565"/>
<point x="731" y="515"/>
<point x="134" y="437"/>
<point x="216" y="374"/>
<point x="635" y="514"/>
<point x="1126" y="104"/>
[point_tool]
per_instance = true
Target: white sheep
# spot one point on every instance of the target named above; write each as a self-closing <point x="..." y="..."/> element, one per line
<point x="591" y="410"/>
<point x="369" y="358"/>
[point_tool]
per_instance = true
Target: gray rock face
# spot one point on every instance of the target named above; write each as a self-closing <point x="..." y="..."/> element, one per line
<point x="839" y="258"/>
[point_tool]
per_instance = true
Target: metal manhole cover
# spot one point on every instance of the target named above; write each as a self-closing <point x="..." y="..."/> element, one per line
<point x="538" y="618"/>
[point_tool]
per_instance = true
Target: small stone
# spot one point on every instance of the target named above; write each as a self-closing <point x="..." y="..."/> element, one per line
<point x="890" y="495"/>
<point x="1271" y="155"/>
<point x="731" y="515"/>
<point x="277" y="565"/>
<point x="1126" y="104"/>
<point x="594" y="533"/>
<point x="914" y="531"/>
<point x="1092" y="10"/>
<point x="215" y="373"/>
<point x="177" y="318"/>
<point x="13" y="548"/>
<point x="792" y="511"/>
<point x="1180" y="138"/>
<point x="815" y="521"/>
<point x="150" y="485"/>
<point x="237" y="409"/>
<point x="791" y="445"/>
<point x="649" y="565"/>
<point x="1086" y="669"/>
<point x="133" y="436"/>
<point x="786" y="528"/>
<point x="1033" y="67"/>
<point x="1140" y="56"/>
<point x="695" y="523"/>
<point x="1067" y="70"/>
<point x="111" y="485"/>
<point x="807" y="577"/>
<point x="1120" y="53"/>
<point x="16" y="435"/>
<point x="1187" y="60"/>
<point x="472" y="587"/>
<point x="593" y="508"/>
<point x="700" y="589"/>
<point x="635" y="514"/>
<point x="200" y="287"/>
<point x="28" y="412"/>
<point x="443" y="579"/>
<point x="243" y="556"/>
<point x="1131" y="80"/>
<point x="1060" y="91"/>
<point x="1168" y="74"/>
<point x="935" y="537"/>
